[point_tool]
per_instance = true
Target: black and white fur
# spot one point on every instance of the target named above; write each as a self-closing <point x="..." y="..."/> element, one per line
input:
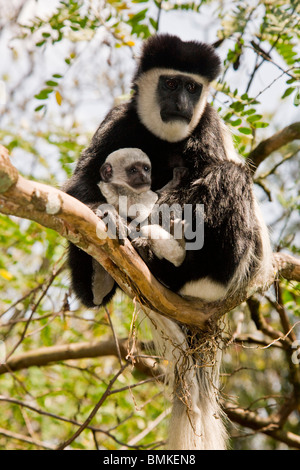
<point x="126" y="176"/>
<point x="236" y="247"/>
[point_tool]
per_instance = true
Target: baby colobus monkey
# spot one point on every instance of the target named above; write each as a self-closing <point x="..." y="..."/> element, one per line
<point x="127" y="173"/>
<point x="125" y="183"/>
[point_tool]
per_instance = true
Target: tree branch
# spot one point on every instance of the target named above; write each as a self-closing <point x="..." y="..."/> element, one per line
<point x="268" y="426"/>
<point x="77" y="223"/>
<point x="64" y="352"/>
<point x="276" y="141"/>
<point x="23" y="438"/>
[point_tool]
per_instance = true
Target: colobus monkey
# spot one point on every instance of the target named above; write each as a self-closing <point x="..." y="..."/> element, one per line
<point x="169" y="118"/>
<point x="125" y="183"/>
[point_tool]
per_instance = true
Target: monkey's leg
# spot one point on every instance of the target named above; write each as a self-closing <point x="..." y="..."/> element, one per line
<point x="163" y="244"/>
<point x="102" y="283"/>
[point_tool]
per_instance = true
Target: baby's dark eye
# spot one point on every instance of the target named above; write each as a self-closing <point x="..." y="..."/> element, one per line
<point x="146" y="168"/>
<point x="132" y="170"/>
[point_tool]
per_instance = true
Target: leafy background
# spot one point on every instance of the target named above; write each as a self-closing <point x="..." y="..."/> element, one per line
<point x="64" y="64"/>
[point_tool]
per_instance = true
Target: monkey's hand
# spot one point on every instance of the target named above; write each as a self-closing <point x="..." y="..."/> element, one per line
<point x="163" y="244"/>
<point x="115" y="227"/>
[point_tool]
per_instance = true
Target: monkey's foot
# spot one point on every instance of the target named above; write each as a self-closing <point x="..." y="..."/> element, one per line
<point x="164" y="245"/>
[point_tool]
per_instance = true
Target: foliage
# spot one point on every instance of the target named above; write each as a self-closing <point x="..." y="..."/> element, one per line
<point x="65" y="68"/>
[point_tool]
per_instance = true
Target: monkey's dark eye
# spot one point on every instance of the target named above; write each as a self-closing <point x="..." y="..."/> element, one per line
<point x="146" y="168"/>
<point x="171" y="83"/>
<point x="133" y="170"/>
<point x="192" y="87"/>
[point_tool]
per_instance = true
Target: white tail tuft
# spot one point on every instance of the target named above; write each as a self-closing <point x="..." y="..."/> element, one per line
<point x="196" y="422"/>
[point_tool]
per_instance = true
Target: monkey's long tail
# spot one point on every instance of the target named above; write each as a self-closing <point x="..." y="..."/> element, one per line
<point x="196" y="421"/>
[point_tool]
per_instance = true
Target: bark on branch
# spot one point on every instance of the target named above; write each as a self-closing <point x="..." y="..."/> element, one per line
<point x="77" y="223"/>
<point x="66" y="352"/>
<point x="276" y="141"/>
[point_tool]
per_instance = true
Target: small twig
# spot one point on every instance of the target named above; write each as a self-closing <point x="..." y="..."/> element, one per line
<point x="33" y="310"/>
<point x="274" y="168"/>
<point x="282" y="313"/>
<point x="268" y="426"/>
<point x="282" y="338"/>
<point x="152" y="425"/>
<point x="114" y="336"/>
<point x="29" y="440"/>
<point x="106" y="394"/>
<point x="94" y="429"/>
<point x="262" y="325"/>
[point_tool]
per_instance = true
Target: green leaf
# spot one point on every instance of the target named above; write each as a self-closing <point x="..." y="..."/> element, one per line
<point x="245" y="130"/>
<point x="237" y="106"/>
<point x="228" y="116"/>
<point x="258" y="125"/>
<point x="255" y="117"/>
<point x="141" y="15"/>
<point x="51" y="83"/>
<point x="154" y="23"/>
<point x="249" y="111"/>
<point x="237" y="122"/>
<point x="288" y="92"/>
<point x="38" y="108"/>
<point x="43" y="95"/>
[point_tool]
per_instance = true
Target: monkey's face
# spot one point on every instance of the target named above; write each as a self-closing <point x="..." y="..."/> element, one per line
<point x="138" y="176"/>
<point x="170" y="103"/>
<point x="178" y="96"/>
<point x="134" y="176"/>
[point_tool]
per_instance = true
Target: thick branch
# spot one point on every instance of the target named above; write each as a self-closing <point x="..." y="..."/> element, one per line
<point x="77" y="223"/>
<point x="276" y="141"/>
<point x="65" y="352"/>
<point x="287" y="266"/>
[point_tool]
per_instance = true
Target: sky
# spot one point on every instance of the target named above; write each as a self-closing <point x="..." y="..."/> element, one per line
<point x="203" y="27"/>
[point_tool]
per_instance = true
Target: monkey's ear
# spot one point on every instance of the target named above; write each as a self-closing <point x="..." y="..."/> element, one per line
<point x="106" y="172"/>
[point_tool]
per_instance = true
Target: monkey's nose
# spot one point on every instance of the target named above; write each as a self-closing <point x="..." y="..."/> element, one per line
<point x="181" y="102"/>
